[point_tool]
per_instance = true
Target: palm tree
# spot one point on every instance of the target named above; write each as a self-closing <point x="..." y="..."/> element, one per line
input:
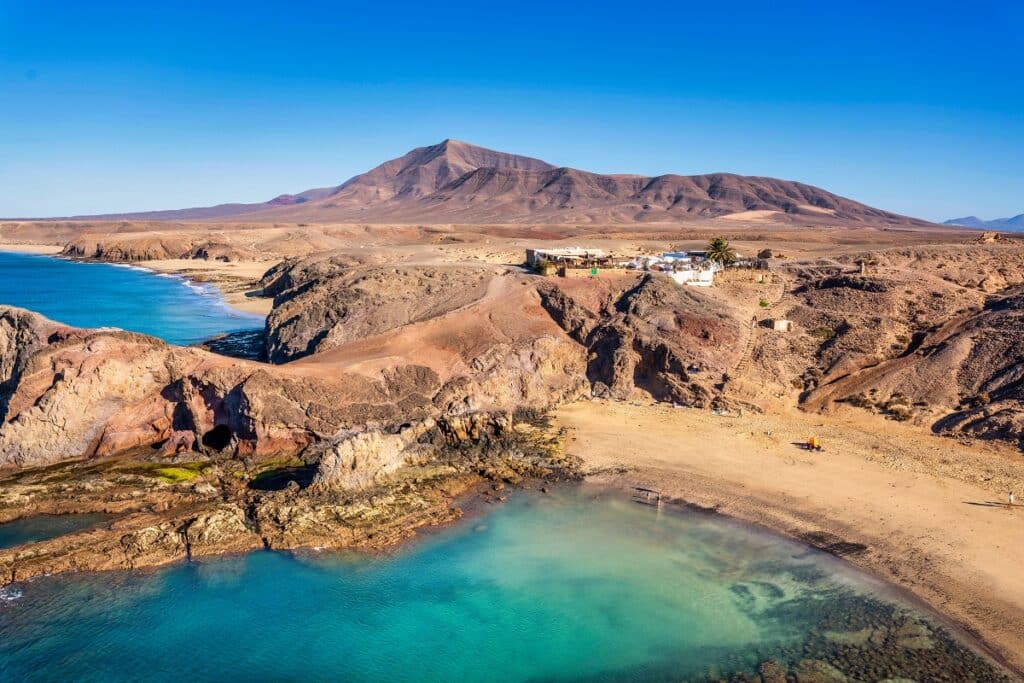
<point x="719" y="250"/>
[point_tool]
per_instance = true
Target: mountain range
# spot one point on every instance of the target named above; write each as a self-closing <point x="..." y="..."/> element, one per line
<point x="456" y="182"/>
<point x="1015" y="223"/>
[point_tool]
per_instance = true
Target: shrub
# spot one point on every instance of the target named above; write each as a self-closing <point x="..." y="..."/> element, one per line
<point x="860" y="400"/>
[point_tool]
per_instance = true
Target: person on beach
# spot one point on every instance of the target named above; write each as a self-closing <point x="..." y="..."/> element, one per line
<point x="1011" y="499"/>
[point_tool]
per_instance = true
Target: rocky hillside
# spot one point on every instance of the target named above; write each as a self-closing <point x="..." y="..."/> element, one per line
<point x="640" y="332"/>
<point x="674" y="343"/>
<point x="455" y="182"/>
<point x="358" y="344"/>
<point x="925" y="335"/>
<point x="206" y="454"/>
<point x="404" y="387"/>
<point x="316" y="311"/>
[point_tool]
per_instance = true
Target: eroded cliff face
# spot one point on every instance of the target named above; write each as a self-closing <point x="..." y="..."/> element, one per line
<point x="102" y="393"/>
<point x="644" y="333"/>
<point x="202" y="454"/>
<point x="363" y="459"/>
<point x="92" y="393"/>
<point x="673" y="342"/>
<point x="21" y="335"/>
<point x="369" y="490"/>
<point x="156" y="247"/>
<point x="964" y="376"/>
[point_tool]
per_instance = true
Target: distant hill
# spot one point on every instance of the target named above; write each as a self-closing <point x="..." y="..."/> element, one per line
<point x="1015" y="223"/>
<point x="214" y="212"/>
<point x="455" y="182"/>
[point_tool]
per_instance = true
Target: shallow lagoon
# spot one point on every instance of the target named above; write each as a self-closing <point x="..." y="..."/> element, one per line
<point x="103" y="294"/>
<point x="561" y="587"/>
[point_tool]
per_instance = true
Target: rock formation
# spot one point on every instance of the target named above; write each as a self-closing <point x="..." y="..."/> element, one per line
<point x="928" y="336"/>
<point x="318" y="310"/>
<point x="673" y="342"/>
<point x="73" y="393"/>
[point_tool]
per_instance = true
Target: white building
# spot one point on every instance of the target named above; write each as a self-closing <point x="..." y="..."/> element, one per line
<point x="693" y="276"/>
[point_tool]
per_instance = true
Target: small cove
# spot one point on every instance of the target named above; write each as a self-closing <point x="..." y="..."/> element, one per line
<point x="85" y="294"/>
<point x="577" y="585"/>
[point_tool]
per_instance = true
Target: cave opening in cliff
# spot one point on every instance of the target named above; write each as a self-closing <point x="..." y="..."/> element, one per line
<point x="218" y="438"/>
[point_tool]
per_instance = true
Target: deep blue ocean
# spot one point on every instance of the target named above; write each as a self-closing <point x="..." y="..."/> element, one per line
<point x="114" y="295"/>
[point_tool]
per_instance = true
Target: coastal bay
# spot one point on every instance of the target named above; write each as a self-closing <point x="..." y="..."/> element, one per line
<point x="577" y="581"/>
<point x="922" y="512"/>
<point x="118" y="295"/>
<point x="201" y="481"/>
<point x="671" y="343"/>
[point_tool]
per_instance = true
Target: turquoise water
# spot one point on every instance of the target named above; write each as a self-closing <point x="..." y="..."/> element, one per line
<point x="101" y="294"/>
<point x="42" y="527"/>
<point x="564" y="587"/>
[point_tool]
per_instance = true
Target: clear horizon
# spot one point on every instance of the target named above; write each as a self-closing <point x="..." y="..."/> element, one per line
<point x="117" y="108"/>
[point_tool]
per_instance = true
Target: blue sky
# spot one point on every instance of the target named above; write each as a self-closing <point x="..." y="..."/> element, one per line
<point x="915" y="108"/>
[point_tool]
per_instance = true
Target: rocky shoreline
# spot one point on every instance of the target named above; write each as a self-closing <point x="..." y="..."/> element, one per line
<point x="850" y="640"/>
<point x="393" y="391"/>
<point x="872" y="643"/>
<point x="183" y="509"/>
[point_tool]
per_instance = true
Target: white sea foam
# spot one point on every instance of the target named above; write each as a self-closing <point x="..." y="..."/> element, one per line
<point x="199" y="288"/>
<point x="10" y="594"/>
<point x="129" y="266"/>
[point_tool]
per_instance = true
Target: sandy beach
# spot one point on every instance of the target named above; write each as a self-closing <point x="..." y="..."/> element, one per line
<point x="238" y="281"/>
<point x="48" y="249"/>
<point x="926" y="513"/>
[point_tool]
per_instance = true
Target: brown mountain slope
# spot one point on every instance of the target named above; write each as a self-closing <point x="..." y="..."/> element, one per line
<point x="455" y="182"/>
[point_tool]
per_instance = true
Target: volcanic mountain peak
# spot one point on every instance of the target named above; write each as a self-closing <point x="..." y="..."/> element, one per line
<point x="456" y="182"/>
<point x="425" y="170"/>
<point x="469" y="157"/>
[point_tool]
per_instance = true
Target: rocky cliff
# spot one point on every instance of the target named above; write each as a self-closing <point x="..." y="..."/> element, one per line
<point x="674" y="343"/>
<point x="509" y="331"/>
<point x="204" y="454"/>
<point x="403" y="386"/>
<point x="362" y="496"/>
<point x="95" y="393"/>
<point x="91" y="393"/>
